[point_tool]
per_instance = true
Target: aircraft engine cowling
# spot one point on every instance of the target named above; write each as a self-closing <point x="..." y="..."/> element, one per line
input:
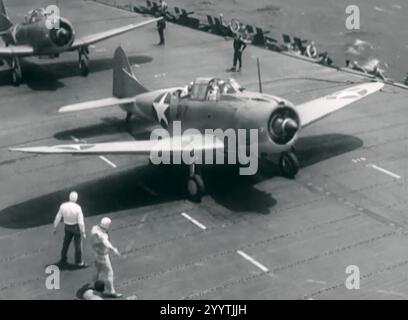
<point x="64" y="35"/>
<point x="283" y="125"/>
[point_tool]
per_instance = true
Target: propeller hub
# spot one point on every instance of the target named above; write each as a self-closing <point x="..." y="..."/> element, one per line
<point x="283" y="125"/>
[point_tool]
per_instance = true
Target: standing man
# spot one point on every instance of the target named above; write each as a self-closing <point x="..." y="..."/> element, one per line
<point x="101" y="246"/>
<point x="161" y="25"/>
<point x="71" y="213"/>
<point x="239" y="47"/>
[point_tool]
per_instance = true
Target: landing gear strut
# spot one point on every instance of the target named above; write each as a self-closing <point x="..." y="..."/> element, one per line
<point x="16" y="73"/>
<point x="128" y="117"/>
<point x="289" y="164"/>
<point x="83" y="61"/>
<point x="195" y="184"/>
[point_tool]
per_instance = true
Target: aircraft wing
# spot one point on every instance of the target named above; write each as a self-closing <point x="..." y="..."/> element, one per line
<point x="97" y="37"/>
<point x="317" y="109"/>
<point x="13" y="51"/>
<point x="95" y="104"/>
<point x="185" y="143"/>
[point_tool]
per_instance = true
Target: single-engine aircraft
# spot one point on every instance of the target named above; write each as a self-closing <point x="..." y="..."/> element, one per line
<point x="41" y="35"/>
<point x="196" y="106"/>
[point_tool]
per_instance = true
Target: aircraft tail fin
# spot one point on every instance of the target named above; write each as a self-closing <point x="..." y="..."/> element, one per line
<point x="5" y="23"/>
<point x="125" y="83"/>
<point x="3" y="8"/>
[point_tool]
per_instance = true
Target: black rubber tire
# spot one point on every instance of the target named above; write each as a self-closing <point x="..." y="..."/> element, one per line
<point x="84" y="67"/>
<point x="289" y="164"/>
<point x="195" y="187"/>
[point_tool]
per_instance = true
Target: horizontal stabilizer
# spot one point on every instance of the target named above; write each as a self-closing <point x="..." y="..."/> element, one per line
<point x="96" y="104"/>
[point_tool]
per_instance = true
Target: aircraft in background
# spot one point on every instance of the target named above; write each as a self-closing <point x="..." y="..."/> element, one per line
<point x="42" y="35"/>
<point x="201" y="107"/>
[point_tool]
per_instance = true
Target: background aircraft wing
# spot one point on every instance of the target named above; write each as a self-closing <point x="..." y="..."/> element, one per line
<point x="13" y="51"/>
<point x="172" y="144"/>
<point x="94" y="38"/>
<point x="95" y="104"/>
<point x="317" y="109"/>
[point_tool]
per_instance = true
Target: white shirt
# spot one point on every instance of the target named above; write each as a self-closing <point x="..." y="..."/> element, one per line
<point x="72" y="214"/>
<point x="100" y="241"/>
<point x="163" y="6"/>
<point x="91" y="295"/>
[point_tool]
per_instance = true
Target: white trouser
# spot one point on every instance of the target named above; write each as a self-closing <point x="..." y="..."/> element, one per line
<point x="104" y="271"/>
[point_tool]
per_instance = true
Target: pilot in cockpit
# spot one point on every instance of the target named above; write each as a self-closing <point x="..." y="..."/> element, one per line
<point x="214" y="91"/>
<point x="223" y="87"/>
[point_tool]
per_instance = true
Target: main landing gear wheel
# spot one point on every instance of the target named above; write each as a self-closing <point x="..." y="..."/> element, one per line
<point x="84" y="67"/>
<point x="16" y="73"/>
<point x="195" y="187"/>
<point x="83" y="62"/>
<point x="195" y="184"/>
<point x="289" y="164"/>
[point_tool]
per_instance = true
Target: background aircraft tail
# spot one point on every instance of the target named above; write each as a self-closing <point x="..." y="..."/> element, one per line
<point x="5" y="23"/>
<point x="125" y="84"/>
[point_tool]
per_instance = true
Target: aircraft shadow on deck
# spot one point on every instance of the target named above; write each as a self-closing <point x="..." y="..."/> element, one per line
<point x="150" y="185"/>
<point x="47" y="76"/>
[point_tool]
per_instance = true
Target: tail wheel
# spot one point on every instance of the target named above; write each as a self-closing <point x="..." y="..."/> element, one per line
<point x="84" y="67"/>
<point x="289" y="164"/>
<point x="195" y="187"/>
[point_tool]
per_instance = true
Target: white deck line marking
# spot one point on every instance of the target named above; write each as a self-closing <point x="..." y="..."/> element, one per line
<point x="198" y="224"/>
<point x="384" y="171"/>
<point x="100" y="157"/>
<point x="395" y="293"/>
<point x="108" y="162"/>
<point x="252" y="260"/>
<point x="160" y="75"/>
<point x="316" y="281"/>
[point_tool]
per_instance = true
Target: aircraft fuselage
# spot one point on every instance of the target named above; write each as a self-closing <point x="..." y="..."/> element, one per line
<point x="247" y="111"/>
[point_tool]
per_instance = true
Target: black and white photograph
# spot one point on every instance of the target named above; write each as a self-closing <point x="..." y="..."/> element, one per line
<point x="203" y="150"/>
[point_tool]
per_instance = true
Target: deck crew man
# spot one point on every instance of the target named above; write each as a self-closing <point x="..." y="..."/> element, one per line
<point x="102" y="246"/>
<point x="161" y="26"/>
<point x="71" y="213"/>
<point x="239" y="47"/>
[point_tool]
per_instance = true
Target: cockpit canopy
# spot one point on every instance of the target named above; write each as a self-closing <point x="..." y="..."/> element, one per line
<point x="35" y="15"/>
<point x="212" y="88"/>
